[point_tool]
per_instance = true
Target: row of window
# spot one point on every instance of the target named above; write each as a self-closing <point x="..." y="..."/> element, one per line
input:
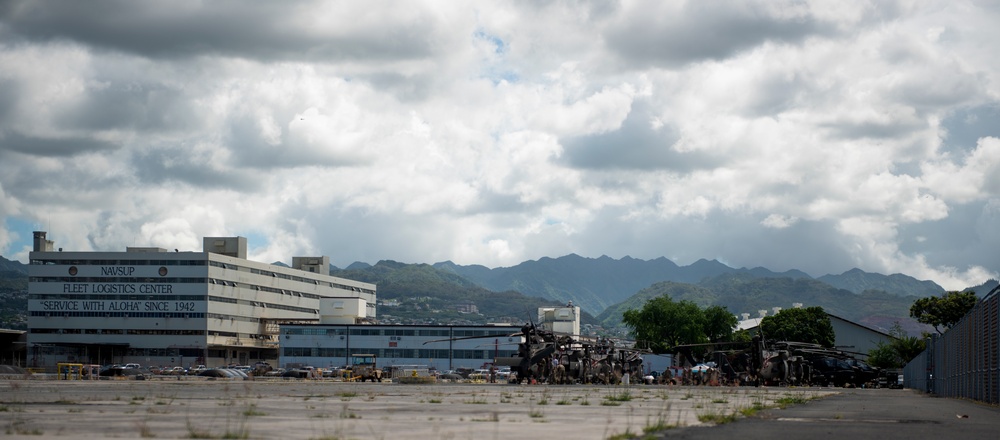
<point x="105" y="280"/>
<point x="115" y="331"/>
<point x="193" y="353"/>
<point x="84" y="297"/>
<point x="233" y="318"/>
<point x="288" y="292"/>
<point x="200" y="262"/>
<point x="151" y="352"/>
<point x="286" y="276"/>
<point x="265" y="305"/>
<point x="84" y="262"/>
<point x="366" y="331"/>
<point x="396" y="353"/>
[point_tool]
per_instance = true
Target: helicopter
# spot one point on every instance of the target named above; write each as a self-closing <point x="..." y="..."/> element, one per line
<point x="558" y="358"/>
<point x="787" y="363"/>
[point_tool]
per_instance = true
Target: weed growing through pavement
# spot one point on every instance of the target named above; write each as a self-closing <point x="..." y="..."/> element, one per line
<point x="477" y="400"/>
<point x="251" y="410"/>
<point x="788" y="400"/>
<point x="717" y="418"/>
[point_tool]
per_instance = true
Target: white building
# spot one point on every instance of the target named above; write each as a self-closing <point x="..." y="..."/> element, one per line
<point x="157" y="307"/>
<point x="849" y="336"/>
<point x="442" y="347"/>
<point x="331" y="343"/>
<point x="560" y="319"/>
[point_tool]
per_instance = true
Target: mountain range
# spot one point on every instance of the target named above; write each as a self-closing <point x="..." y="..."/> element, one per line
<point x="598" y="283"/>
<point x="604" y="288"/>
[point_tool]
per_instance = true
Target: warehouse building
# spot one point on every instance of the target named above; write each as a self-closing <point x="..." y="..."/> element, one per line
<point x="849" y="336"/>
<point x="152" y="306"/>
<point x="333" y="341"/>
<point x="444" y="347"/>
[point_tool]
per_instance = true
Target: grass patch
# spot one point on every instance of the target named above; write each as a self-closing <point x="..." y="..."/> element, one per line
<point x="660" y="425"/>
<point x="628" y="434"/>
<point x="623" y="396"/>
<point x="750" y="411"/>
<point x="477" y="400"/>
<point x="787" y="401"/>
<point x="251" y="411"/>
<point x="717" y="418"/>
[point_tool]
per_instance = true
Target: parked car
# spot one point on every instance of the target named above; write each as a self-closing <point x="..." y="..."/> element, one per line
<point x="174" y="371"/>
<point x="503" y="374"/>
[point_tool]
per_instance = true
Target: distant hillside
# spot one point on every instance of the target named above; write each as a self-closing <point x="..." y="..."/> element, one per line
<point x="13" y="266"/>
<point x="612" y="316"/>
<point x="985" y="288"/>
<point x="744" y="293"/>
<point x="593" y="284"/>
<point x="857" y="281"/>
<point x="13" y="295"/>
<point x="429" y="295"/>
<point x="596" y="284"/>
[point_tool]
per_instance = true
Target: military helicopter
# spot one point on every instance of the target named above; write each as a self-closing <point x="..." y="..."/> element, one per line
<point x="558" y="358"/>
<point x="761" y="362"/>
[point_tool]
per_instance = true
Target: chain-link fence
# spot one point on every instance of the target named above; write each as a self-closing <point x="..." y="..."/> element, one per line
<point x="964" y="361"/>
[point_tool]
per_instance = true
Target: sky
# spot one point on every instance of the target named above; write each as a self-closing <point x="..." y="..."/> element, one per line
<point x="819" y="136"/>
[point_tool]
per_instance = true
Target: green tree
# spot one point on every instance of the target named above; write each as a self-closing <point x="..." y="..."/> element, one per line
<point x="883" y="356"/>
<point x="719" y="324"/>
<point x="945" y="310"/>
<point x="663" y="323"/>
<point x="810" y="325"/>
<point x="899" y="351"/>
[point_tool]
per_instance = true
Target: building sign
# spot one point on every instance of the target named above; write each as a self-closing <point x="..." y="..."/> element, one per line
<point x="117" y="288"/>
<point x="119" y="306"/>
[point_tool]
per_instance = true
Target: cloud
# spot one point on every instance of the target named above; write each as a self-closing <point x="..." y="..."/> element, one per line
<point x="674" y="34"/>
<point x="780" y="134"/>
<point x="282" y="31"/>
<point x="40" y="146"/>
<point x="639" y="143"/>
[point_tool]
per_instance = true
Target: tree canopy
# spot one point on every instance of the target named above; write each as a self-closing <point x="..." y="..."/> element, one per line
<point x="810" y="325"/>
<point x="900" y="350"/>
<point x="662" y="324"/>
<point x="945" y="310"/>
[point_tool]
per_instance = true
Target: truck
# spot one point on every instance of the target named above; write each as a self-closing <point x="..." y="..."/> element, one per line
<point x="364" y="367"/>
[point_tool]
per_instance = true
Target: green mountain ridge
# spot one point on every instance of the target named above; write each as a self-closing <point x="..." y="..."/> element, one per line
<point x="598" y="283"/>
<point x="423" y="293"/>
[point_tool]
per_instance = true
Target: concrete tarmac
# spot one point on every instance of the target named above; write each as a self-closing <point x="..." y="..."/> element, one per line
<point x="327" y="410"/>
<point x="862" y="414"/>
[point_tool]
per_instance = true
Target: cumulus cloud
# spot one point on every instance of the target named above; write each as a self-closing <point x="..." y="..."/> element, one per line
<point x="818" y="137"/>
